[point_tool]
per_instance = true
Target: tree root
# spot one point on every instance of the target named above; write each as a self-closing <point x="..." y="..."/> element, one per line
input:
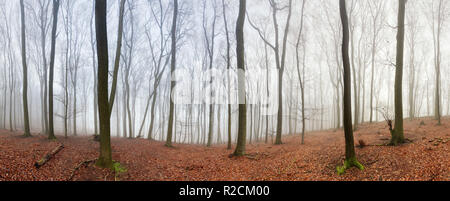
<point x="79" y="166"/>
<point x="352" y="162"/>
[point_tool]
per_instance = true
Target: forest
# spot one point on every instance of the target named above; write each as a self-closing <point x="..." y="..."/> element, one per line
<point x="224" y="90"/>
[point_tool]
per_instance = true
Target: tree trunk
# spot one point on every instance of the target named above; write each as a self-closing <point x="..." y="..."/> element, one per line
<point x="51" y="132"/>
<point x="94" y="71"/>
<point x="281" y="68"/>
<point x="172" y="71"/>
<point x="350" y="156"/>
<point x="44" y="63"/>
<point x="228" y="59"/>
<point x="437" y="97"/>
<point x="105" y="158"/>
<point x="152" y="116"/>
<point x="117" y="60"/>
<point x="301" y="77"/>
<point x="26" y="120"/>
<point x="397" y="135"/>
<point x="240" y="51"/>
<point x="251" y="123"/>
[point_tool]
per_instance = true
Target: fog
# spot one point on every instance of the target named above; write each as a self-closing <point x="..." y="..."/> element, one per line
<point x="143" y="88"/>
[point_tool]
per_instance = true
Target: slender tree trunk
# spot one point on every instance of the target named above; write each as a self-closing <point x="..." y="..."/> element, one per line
<point x="145" y="116"/>
<point x="219" y="141"/>
<point x="372" y="76"/>
<point x="26" y="119"/>
<point x="353" y="65"/>
<point x="397" y="135"/>
<point x="267" y="89"/>
<point x="350" y="156"/>
<point x="437" y="97"/>
<point x="172" y="71"/>
<point x="240" y="52"/>
<point x="75" y="103"/>
<point x="152" y="117"/>
<point x="44" y="60"/>
<point x="412" y="76"/>
<point x="130" y="127"/>
<point x="51" y="134"/>
<point x="282" y="66"/>
<point x="4" y="97"/>
<point x="118" y="118"/>
<point x="251" y="123"/>
<point x="228" y="59"/>
<point x="94" y="70"/>
<point x="363" y="95"/>
<point x="117" y="60"/>
<point x="66" y="95"/>
<point x="301" y="77"/>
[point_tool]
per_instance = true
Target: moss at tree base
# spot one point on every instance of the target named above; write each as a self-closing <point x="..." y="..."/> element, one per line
<point x="352" y="162"/>
<point x="52" y="138"/>
<point x="397" y="139"/>
<point x="103" y="163"/>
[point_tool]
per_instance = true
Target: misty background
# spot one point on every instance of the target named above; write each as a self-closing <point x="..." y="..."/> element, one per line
<point x="144" y="75"/>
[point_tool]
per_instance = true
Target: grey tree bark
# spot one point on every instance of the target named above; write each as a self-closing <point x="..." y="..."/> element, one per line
<point x="397" y="134"/>
<point x="172" y="71"/>
<point x="26" y="119"/>
<point x="105" y="158"/>
<point x="51" y="134"/>
<point x="240" y="52"/>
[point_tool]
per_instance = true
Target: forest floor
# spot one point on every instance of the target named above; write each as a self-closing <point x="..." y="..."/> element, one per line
<point x="425" y="157"/>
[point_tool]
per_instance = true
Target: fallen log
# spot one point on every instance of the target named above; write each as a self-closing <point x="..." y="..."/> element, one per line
<point x="48" y="156"/>
<point x="79" y="166"/>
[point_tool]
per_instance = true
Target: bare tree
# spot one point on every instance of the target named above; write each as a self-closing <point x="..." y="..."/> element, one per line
<point x="94" y="68"/>
<point x="438" y="17"/>
<point x="397" y="135"/>
<point x="376" y="12"/>
<point x="159" y="59"/>
<point x="26" y="119"/>
<point x="350" y="156"/>
<point x="209" y="43"/>
<point x="172" y="71"/>
<point x="279" y="58"/>
<point x="73" y="60"/>
<point x="301" y="73"/>
<point x="42" y="19"/>
<point x="118" y="53"/>
<point x="333" y="61"/>
<point x="413" y="32"/>
<point x="240" y="52"/>
<point x="51" y="134"/>
<point x="128" y="65"/>
<point x="228" y="60"/>
<point x="105" y="158"/>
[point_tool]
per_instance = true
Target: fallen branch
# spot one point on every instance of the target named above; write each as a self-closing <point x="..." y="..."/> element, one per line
<point x="79" y="166"/>
<point x="48" y="156"/>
